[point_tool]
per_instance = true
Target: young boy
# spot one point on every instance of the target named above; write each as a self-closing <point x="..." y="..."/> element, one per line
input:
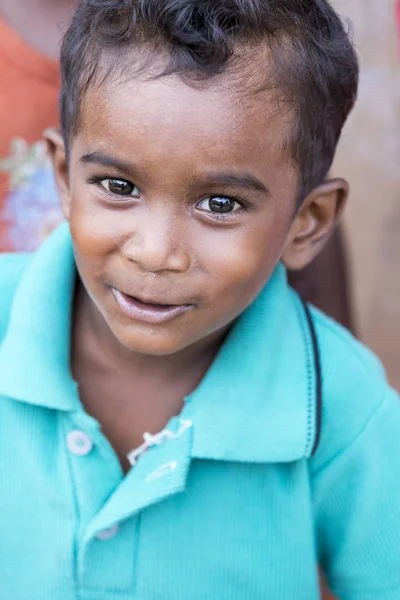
<point x="29" y="205"/>
<point x="174" y="423"/>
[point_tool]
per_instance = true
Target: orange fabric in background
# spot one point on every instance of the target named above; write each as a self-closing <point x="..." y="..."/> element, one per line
<point x="29" y="87"/>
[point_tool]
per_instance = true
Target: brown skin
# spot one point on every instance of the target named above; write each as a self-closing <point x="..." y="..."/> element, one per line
<point x="164" y="244"/>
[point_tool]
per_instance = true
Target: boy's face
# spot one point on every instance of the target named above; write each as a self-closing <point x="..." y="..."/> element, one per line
<point x="179" y="197"/>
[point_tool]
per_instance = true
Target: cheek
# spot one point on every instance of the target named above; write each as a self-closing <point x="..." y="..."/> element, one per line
<point x="244" y="259"/>
<point x="92" y="231"/>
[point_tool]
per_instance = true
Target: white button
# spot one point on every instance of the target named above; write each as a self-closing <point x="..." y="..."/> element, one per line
<point x="108" y="534"/>
<point x="79" y="442"/>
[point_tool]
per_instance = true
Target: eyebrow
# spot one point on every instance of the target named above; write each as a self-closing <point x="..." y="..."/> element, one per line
<point x="98" y="158"/>
<point x="243" y="180"/>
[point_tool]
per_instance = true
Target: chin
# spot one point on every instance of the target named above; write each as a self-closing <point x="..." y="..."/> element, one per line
<point x="150" y="344"/>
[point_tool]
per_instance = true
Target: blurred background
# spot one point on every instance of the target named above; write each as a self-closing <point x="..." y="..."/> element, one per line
<point x="369" y="157"/>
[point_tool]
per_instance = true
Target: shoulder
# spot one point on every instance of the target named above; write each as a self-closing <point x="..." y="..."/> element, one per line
<point x="12" y="267"/>
<point x="354" y="387"/>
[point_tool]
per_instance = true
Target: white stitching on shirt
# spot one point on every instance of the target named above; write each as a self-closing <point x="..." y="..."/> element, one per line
<point x="157" y="439"/>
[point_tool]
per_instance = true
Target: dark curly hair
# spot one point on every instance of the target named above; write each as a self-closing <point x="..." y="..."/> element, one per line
<point x="311" y="60"/>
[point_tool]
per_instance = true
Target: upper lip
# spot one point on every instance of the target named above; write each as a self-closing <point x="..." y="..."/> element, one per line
<point x="156" y="300"/>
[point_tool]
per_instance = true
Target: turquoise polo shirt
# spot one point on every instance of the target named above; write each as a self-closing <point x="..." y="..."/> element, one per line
<point x="240" y="501"/>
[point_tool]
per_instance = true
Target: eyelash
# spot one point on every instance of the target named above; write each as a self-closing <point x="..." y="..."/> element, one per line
<point x="225" y="216"/>
<point x="97" y="179"/>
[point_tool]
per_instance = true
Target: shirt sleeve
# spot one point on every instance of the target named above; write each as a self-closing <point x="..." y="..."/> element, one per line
<point x="356" y="500"/>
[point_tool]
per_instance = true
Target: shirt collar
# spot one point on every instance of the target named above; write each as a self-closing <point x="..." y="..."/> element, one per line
<point x="35" y="354"/>
<point x="256" y="403"/>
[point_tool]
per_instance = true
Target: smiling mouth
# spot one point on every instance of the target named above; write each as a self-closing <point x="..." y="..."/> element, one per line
<point x="148" y="312"/>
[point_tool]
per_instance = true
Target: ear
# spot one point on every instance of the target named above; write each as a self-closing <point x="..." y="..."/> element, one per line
<point x="314" y="222"/>
<point x="58" y="155"/>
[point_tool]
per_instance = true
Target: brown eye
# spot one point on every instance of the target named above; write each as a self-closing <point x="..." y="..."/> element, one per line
<point x="219" y="205"/>
<point x="120" y="187"/>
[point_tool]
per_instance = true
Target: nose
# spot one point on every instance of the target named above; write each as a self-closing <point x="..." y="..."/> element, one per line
<point x="158" y="244"/>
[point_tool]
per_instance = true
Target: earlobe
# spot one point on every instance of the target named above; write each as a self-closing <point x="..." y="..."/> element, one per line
<point x="58" y="156"/>
<point x="314" y="223"/>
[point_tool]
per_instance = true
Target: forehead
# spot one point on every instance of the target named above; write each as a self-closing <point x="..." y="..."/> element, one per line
<point x="212" y="124"/>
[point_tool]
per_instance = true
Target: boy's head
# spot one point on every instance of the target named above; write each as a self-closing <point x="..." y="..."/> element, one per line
<point x="197" y="138"/>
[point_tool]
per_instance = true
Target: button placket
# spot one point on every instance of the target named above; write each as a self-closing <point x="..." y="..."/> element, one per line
<point x="113" y="532"/>
<point x="84" y="422"/>
<point x="159" y="473"/>
<point x="96" y="474"/>
<point x="116" y="546"/>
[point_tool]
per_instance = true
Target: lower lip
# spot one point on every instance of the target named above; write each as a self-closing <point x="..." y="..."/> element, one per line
<point x="147" y="313"/>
